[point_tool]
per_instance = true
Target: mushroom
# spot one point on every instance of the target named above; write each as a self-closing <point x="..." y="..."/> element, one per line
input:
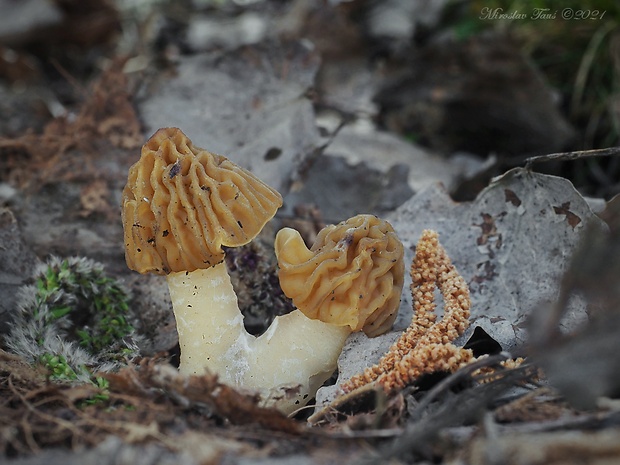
<point x="182" y="203"/>
<point x="351" y="279"/>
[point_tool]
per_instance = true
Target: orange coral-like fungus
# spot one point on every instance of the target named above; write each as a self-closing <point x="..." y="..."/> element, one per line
<point x="426" y="345"/>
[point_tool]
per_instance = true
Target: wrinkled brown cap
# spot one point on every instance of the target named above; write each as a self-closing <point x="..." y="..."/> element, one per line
<point x="352" y="275"/>
<point x="182" y="203"/>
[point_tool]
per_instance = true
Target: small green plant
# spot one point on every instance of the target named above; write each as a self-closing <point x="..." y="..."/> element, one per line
<point x="103" y="395"/>
<point x="58" y="367"/>
<point x="73" y="320"/>
<point x="60" y="370"/>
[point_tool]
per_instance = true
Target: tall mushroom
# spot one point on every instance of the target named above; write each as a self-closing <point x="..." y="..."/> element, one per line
<point x="181" y="204"/>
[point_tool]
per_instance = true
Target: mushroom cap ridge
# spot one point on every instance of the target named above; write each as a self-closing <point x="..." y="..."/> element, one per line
<point x="181" y="204"/>
<point x="353" y="274"/>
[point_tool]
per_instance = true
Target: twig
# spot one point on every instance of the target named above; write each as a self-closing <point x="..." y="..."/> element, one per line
<point x="568" y="156"/>
<point x="69" y="426"/>
<point x="588" y="421"/>
<point x="359" y="434"/>
<point x="420" y="435"/>
<point x="454" y="379"/>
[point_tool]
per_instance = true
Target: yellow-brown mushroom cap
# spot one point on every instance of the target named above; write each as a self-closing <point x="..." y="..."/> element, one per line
<point x="353" y="274"/>
<point x="181" y="204"/>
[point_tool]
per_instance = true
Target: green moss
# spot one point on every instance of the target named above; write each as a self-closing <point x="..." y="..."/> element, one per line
<point x="71" y="286"/>
<point x="58" y="367"/>
<point x="74" y="320"/>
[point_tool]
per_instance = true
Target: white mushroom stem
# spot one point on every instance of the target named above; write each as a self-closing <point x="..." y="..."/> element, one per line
<point x="286" y="364"/>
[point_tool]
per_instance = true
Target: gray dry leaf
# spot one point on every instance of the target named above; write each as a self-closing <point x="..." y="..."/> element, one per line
<point x="512" y="246"/>
<point x="250" y="105"/>
<point x="367" y="170"/>
<point x="584" y="366"/>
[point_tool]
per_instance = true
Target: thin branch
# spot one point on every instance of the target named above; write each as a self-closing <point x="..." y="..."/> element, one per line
<point x="454" y="379"/>
<point x="51" y="419"/>
<point x="421" y="434"/>
<point x="568" y="156"/>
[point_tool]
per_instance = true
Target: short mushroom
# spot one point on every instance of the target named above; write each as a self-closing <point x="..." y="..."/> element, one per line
<point x="181" y="204"/>
<point x="351" y="279"/>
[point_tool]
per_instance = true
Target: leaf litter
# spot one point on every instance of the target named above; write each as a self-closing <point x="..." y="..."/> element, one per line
<point x="150" y="402"/>
<point x="61" y="152"/>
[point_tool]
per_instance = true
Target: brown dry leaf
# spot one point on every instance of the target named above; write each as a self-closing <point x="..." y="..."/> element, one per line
<point x="536" y="406"/>
<point x="205" y="448"/>
<point x="22" y="373"/>
<point x="94" y="198"/>
<point x="109" y="112"/>
<point x="80" y="392"/>
<point x="135" y="432"/>
<point x="142" y="404"/>
<point x="237" y="407"/>
<point x="387" y="415"/>
<point x="546" y="448"/>
<point x="66" y="148"/>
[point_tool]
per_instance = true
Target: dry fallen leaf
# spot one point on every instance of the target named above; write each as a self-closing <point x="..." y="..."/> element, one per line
<point x="512" y="244"/>
<point x="249" y="105"/>
<point x="94" y="198"/>
<point x="224" y="401"/>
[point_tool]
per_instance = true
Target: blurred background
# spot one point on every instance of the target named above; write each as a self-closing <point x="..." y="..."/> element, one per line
<point x="491" y="82"/>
